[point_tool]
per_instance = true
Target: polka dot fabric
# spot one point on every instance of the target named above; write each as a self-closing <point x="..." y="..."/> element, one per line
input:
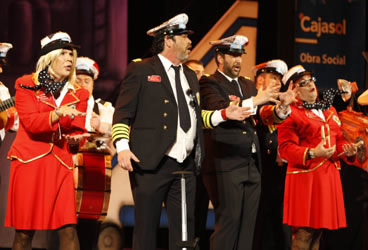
<point x="47" y="83"/>
<point x="327" y="100"/>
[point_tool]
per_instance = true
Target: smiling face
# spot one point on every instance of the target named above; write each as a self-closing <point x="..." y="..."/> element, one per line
<point x="62" y="65"/>
<point x="230" y="64"/>
<point x="306" y="88"/>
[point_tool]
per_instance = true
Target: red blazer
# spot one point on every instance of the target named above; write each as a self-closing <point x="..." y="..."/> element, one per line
<point x="301" y="131"/>
<point x="36" y="136"/>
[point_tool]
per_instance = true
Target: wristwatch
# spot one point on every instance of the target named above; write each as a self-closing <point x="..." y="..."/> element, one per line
<point x="311" y="154"/>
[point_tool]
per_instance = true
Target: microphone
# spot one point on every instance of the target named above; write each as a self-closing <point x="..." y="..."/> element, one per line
<point x="193" y="100"/>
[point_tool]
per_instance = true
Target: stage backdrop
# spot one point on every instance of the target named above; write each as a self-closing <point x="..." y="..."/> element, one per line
<point x="98" y="26"/>
<point x="240" y="19"/>
<point x="330" y="39"/>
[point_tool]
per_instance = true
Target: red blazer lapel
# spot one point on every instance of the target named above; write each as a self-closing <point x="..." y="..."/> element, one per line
<point x="70" y="98"/>
<point x="48" y="100"/>
<point x="328" y="114"/>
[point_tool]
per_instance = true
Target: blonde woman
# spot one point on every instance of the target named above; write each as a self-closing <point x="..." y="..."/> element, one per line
<point x="51" y="110"/>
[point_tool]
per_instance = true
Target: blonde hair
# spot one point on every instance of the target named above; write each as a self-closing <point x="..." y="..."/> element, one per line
<point x="47" y="59"/>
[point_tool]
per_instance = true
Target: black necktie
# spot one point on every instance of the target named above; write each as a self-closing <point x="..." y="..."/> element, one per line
<point x="182" y="102"/>
<point x="236" y="88"/>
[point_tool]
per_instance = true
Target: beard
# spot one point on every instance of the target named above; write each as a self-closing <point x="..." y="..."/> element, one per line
<point x="183" y="55"/>
<point x="231" y="71"/>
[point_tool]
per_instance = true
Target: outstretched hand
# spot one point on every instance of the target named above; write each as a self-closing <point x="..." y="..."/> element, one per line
<point x="288" y="97"/>
<point x="69" y="110"/>
<point x="234" y="112"/>
<point x="270" y="94"/>
<point x="350" y="149"/>
<point x="75" y="139"/>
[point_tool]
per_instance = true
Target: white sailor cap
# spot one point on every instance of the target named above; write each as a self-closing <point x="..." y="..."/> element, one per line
<point x="86" y="65"/>
<point x="175" y="26"/>
<point x="294" y="74"/>
<point x="58" y="40"/>
<point x="4" y="48"/>
<point x="232" y="44"/>
<point x="276" y="66"/>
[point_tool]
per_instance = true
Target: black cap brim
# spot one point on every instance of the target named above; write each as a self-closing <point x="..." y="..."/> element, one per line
<point x="57" y="44"/>
<point x="84" y="72"/>
<point x="296" y="76"/>
<point x="228" y="50"/>
<point x="268" y="70"/>
<point x="176" y="32"/>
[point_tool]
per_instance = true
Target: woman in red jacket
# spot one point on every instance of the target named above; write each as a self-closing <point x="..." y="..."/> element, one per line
<point x="51" y="110"/>
<point x="312" y="142"/>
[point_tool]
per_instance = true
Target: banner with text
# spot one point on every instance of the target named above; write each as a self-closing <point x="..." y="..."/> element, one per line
<point x="330" y="39"/>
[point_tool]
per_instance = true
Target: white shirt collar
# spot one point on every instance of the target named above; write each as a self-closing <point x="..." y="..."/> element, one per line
<point x="63" y="92"/>
<point x="166" y="62"/>
<point x="319" y="113"/>
<point x="227" y="77"/>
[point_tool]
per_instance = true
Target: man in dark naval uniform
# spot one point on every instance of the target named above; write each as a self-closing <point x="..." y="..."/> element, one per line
<point x="270" y="231"/>
<point x="234" y="147"/>
<point x="157" y="129"/>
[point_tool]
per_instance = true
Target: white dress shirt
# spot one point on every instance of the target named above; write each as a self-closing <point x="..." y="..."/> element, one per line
<point x="184" y="140"/>
<point x="63" y="92"/>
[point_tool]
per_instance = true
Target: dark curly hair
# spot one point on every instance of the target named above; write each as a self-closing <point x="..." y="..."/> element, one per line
<point x="158" y="43"/>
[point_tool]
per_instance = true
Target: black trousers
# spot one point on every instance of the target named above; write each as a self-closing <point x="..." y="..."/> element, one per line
<point x="235" y="198"/>
<point x="150" y="190"/>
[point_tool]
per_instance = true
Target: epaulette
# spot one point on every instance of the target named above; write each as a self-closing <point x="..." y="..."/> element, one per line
<point x="246" y="77"/>
<point x="137" y="60"/>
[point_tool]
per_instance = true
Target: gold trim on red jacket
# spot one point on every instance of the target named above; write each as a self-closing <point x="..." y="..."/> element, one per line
<point x="14" y="157"/>
<point x="310" y="170"/>
<point x="61" y="161"/>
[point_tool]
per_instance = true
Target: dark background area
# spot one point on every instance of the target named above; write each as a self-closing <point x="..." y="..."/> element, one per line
<point x="275" y="24"/>
<point x="104" y="27"/>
